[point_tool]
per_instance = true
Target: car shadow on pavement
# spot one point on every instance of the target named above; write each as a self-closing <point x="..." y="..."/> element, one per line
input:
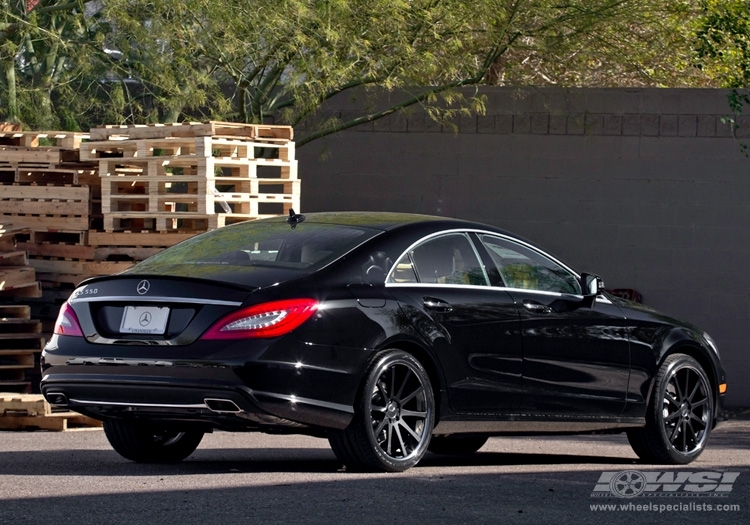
<point x="222" y="461"/>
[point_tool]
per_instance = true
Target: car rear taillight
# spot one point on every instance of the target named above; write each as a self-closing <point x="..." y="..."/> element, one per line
<point x="67" y="322"/>
<point x="264" y="320"/>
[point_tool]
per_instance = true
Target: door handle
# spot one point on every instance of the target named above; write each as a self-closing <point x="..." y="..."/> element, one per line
<point x="437" y="305"/>
<point x="537" y="308"/>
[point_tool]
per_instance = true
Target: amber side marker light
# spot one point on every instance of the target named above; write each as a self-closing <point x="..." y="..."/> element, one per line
<point x="722" y="388"/>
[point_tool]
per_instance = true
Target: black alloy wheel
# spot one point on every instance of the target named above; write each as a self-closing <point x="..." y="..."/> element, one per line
<point x="145" y="443"/>
<point x="393" y="422"/>
<point x="680" y="416"/>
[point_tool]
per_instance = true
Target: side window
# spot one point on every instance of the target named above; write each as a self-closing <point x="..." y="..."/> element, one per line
<point x="522" y="267"/>
<point x="449" y="259"/>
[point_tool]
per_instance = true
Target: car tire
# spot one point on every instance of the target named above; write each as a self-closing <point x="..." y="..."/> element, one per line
<point x="393" y="419"/>
<point x="680" y="415"/>
<point x="456" y="445"/>
<point x="146" y="443"/>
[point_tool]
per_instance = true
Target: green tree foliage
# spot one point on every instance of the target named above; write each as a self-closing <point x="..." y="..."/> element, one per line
<point x="723" y="52"/>
<point x="131" y="61"/>
<point x="44" y="53"/>
<point x="282" y="59"/>
<point x="723" y="42"/>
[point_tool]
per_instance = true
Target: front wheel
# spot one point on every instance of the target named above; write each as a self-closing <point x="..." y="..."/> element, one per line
<point x="394" y="417"/>
<point x="680" y="416"/>
<point x="147" y="443"/>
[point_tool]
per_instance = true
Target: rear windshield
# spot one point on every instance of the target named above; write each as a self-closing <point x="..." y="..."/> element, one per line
<point x="272" y="244"/>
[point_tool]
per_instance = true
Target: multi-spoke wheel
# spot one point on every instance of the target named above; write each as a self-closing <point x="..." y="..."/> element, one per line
<point x="146" y="443"/>
<point x="680" y="415"/>
<point x="394" y="418"/>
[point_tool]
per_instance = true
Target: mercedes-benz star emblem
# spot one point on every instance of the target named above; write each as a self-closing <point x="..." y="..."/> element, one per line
<point x="145" y="319"/>
<point x="143" y="287"/>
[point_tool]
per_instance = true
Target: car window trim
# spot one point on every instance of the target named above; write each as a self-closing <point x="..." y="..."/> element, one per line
<point x="478" y="232"/>
<point x="427" y="238"/>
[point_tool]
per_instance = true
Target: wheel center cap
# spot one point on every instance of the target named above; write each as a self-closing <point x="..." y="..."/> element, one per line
<point x="391" y="410"/>
<point x="685" y="409"/>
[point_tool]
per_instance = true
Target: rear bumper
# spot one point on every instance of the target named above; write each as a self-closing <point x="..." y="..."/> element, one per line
<point x="226" y="407"/>
<point x="262" y="385"/>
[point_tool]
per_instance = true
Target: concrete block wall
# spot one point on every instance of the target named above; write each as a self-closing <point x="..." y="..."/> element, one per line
<point x="646" y="187"/>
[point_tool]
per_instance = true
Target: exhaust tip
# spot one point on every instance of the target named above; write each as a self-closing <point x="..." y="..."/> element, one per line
<point x="57" y="399"/>
<point x="222" y="406"/>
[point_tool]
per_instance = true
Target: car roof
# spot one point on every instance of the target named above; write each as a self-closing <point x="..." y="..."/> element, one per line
<point x="386" y="221"/>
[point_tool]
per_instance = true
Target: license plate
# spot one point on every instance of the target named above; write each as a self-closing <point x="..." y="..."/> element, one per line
<point x="144" y="320"/>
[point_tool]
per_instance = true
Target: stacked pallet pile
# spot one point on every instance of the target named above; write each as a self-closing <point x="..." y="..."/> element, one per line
<point x="21" y="343"/>
<point x="46" y="189"/>
<point x="17" y="278"/>
<point x="194" y="176"/>
<point x="21" y="340"/>
<point x="98" y="202"/>
<point x="32" y="412"/>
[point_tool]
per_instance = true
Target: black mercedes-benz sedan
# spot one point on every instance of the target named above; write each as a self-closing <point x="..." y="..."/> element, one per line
<point x="388" y="334"/>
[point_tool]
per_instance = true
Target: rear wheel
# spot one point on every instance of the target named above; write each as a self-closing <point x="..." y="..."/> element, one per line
<point x="393" y="419"/>
<point x="680" y="415"/>
<point x="147" y="443"/>
<point x="456" y="445"/>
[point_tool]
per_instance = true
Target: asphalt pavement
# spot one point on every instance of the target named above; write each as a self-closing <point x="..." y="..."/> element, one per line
<point x="76" y="478"/>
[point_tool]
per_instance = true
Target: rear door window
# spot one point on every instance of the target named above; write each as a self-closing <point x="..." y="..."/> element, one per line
<point x="447" y="259"/>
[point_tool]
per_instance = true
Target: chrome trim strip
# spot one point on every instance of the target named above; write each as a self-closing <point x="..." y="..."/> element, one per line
<point x="144" y="405"/>
<point x="307" y="401"/>
<point x="482" y="232"/>
<point x="290" y="398"/>
<point x="154" y="299"/>
<point x="599" y="298"/>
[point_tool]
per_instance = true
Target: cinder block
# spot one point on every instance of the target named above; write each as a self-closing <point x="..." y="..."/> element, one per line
<point x="576" y="124"/>
<point x="467" y="124"/>
<point x="725" y="126"/>
<point x="540" y="123"/>
<point x="742" y="130"/>
<point x="522" y="124"/>
<point x="631" y="125"/>
<point x="612" y="125"/>
<point x="503" y="124"/>
<point x="688" y="125"/>
<point x="558" y="124"/>
<point x="486" y="124"/>
<point x="668" y="125"/>
<point x="706" y="126"/>
<point x="650" y="125"/>
<point x="594" y="124"/>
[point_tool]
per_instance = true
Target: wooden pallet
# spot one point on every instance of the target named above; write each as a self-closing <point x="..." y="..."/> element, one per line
<point x="59" y="236"/>
<point x="100" y="239"/>
<point x="12" y="277"/>
<point x="77" y="268"/>
<point x="20" y="342"/>
<point x="32" y="157"/>
<point x="198" y="167"/>
<point x="193" y="129"/>
<point x="166" y="148"/>
<point x="62" y="174"/>
<point x="32" y="139"/>
<point x="45" y="200"/>
<point x="32" y="412"/>
<point x="58" y="250"/>
<point x="48" y="222"/>
<point x="184" y="222"/>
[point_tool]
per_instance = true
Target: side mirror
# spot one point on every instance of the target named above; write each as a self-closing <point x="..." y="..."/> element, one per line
<point x="591" y="285"/>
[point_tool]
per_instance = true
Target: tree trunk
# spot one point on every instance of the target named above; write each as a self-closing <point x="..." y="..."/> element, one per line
<point x="11" y="96"/>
